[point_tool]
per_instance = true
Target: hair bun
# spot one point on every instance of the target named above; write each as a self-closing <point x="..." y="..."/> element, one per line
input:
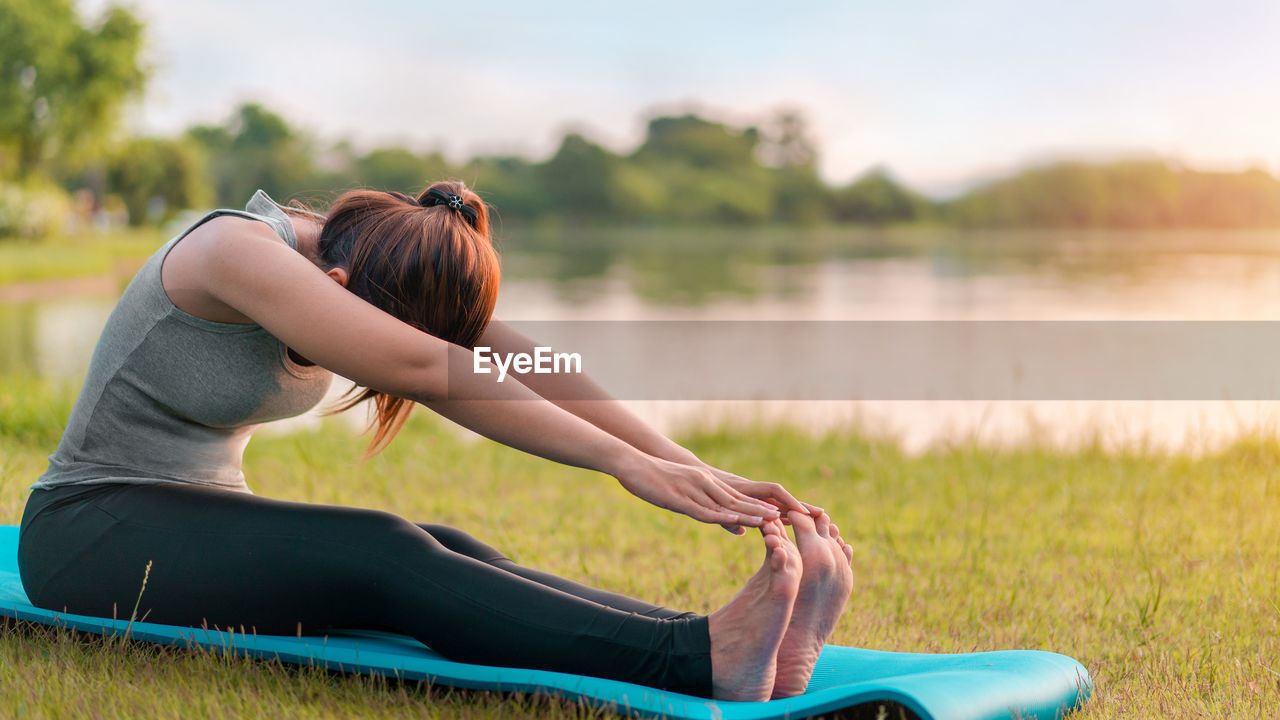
<point x="436" y="196"/>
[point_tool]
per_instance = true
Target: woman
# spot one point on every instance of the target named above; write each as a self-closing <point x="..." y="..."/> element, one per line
<point x="244" y="318"/>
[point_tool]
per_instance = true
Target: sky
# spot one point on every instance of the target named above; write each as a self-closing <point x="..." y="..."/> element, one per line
<point x="944" y="94"/>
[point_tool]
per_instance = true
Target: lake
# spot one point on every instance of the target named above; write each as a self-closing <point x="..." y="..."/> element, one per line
<point x="580" y="276"/>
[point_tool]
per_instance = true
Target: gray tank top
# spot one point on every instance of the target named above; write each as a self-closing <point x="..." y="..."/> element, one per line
<point x="171" y="397"/>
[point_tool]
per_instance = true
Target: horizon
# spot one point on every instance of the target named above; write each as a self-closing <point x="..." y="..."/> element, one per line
<point x="970" y="95"/>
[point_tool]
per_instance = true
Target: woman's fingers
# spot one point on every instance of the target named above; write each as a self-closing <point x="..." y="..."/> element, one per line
<point x="694" y="500"/>
<point x="773" y="527"/>
<point x="731" y="491"/>
<point x="714" y="496"/>
<point x="735" y="486"/>
<point x="729" y="485"/>
<point x="769" y="492"/>
<point x="773" y="492"/>
<point x="722" y="495"/>
<point x="711" y="516"/>
<point x="701" y="506"/>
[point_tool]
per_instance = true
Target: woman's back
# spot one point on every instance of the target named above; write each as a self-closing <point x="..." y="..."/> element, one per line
<point x="171" y="397"/>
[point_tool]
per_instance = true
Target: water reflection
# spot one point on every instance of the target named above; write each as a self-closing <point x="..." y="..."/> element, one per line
<point x="917" y="273"/>
<point x="826" y="274"/>
<point x="52" y="338"/>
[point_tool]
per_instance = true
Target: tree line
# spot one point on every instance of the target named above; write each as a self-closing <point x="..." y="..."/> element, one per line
<point x="64" y="84"/>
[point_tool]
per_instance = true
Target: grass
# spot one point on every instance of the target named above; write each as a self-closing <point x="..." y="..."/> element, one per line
<point x="76" y="256"/>
<point x="1160" y="573"/>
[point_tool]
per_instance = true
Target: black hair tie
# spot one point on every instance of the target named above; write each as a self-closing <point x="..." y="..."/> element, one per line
<point x="436" y="196"/>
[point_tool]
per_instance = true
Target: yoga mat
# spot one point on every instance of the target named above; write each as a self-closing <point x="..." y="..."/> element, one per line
<point x="966" y="686"/>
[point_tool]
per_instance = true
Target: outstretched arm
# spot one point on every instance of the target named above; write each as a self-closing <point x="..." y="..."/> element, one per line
<point x="580" y="395"/>
<point x="511" y="413"/>
<point x="248" y="269"/>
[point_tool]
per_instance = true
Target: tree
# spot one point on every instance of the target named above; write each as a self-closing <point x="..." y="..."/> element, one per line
<point x="710" y="171"/>
<point x="396" y="168"/>
<point x="580" y="177"/>
<point x="156" y="177"/>
<point x="787" y="145"/>
<point x="785" y="141"/>
<point x="699" y="143"/>
<point x="876" y="198"/>
<point x="513" y="186"/>
<point x="256" y="148"/>
<point x="1218" y="199"/>
<point x="1135" y="193"/>
<point x="62" y="84"/>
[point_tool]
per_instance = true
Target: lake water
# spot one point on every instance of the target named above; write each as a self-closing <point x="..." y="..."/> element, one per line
<point x="842" y="275"/>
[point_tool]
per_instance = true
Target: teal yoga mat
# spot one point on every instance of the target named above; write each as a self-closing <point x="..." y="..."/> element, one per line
<point x="968" y="686"/>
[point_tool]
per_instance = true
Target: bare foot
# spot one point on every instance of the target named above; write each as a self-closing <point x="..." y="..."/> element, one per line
<point x="824" y="590"/>
<point x="745" y="633"/>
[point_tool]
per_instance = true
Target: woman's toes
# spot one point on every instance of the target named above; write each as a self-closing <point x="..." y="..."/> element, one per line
<point x="803" y="526"/>
<point x="793" y="552"/>
<point x="774" y="533"/>
<point x="788" y="567"/>
<point x="777" y="559"/>
<point x="822" y="524"/>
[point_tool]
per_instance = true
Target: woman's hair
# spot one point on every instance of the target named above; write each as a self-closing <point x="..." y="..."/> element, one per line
<point x="430" y="265"/>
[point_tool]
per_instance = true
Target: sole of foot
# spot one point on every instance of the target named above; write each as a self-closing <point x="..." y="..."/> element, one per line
<point x="825" y="585"/>
<point x="746" y="633"/>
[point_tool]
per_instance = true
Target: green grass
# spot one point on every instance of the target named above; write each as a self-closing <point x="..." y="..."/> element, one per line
<point x="1160" y="573"/>
<point x="76" y="256"/>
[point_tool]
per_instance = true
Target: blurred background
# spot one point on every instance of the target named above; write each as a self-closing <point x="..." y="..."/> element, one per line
<point x="713" y="161"/>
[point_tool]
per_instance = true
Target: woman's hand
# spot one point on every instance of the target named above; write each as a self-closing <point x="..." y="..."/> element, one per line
<point x="769" y="492"/>
<point x="696" y="491"/>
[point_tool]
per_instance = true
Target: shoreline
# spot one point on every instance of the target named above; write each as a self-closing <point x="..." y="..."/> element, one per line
<point x="80" y="287"/>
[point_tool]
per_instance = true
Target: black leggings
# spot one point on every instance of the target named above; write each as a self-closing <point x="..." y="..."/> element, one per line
<point x="235" y="560"/>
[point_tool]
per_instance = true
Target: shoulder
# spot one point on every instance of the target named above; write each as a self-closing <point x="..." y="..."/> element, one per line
<point x="222" y="252"/>
<point x="231" y="228"/>
<point x="231" y="240"/>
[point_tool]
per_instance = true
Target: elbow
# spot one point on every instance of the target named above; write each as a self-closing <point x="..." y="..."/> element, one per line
<point x="431" y="386"/>
<point x="426" y="373"/>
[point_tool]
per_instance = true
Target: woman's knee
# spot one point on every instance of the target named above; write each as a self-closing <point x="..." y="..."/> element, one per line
<point x="380" y="529"/>
<point x="462" y="543"/>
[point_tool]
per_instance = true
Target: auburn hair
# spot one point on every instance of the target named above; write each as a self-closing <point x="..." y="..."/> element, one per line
<point x="431" y="266"/>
